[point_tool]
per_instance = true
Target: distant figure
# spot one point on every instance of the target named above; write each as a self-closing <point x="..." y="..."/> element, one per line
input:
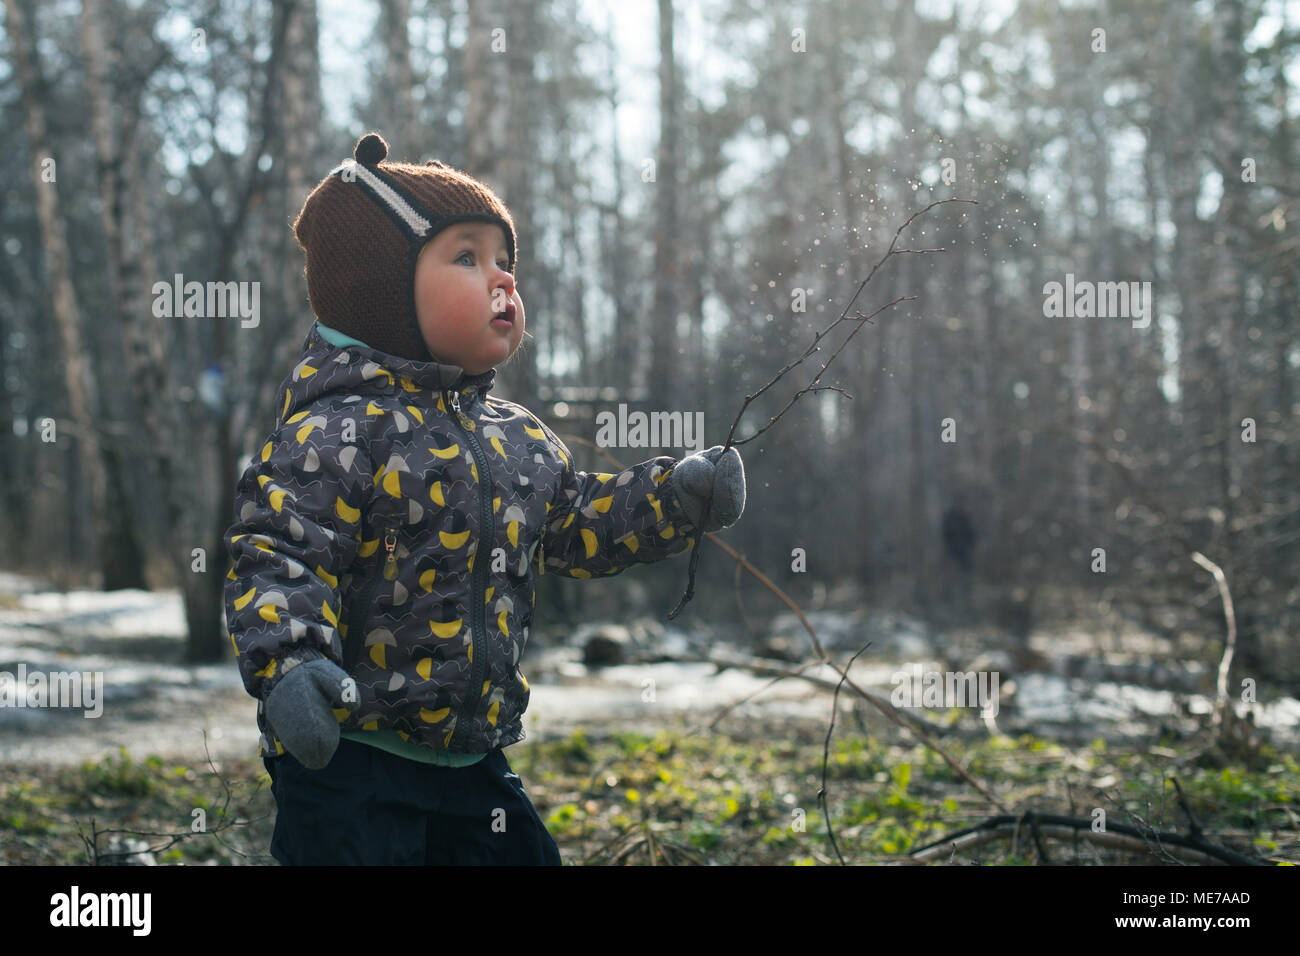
<point x="959" y="543"/>
<point x="959" y="535"/>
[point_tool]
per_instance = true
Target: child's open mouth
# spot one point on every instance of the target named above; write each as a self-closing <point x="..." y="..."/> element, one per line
<point x="506" y="319"/>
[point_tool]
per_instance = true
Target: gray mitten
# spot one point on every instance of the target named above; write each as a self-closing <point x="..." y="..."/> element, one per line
<point x="300" y="710"/>
<point x="714" y="479"/>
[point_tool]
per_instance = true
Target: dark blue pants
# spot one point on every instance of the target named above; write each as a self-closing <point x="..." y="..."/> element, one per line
<point x="372" y="808"/>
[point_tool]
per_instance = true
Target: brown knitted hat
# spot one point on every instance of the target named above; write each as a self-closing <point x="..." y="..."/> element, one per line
<point x="363" y="228"/>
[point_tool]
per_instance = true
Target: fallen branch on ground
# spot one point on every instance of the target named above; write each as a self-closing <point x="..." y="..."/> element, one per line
<point x="1118" y="836"/>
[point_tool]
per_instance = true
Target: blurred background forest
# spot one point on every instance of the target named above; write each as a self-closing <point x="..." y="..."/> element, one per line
<point x="698" y="187"/>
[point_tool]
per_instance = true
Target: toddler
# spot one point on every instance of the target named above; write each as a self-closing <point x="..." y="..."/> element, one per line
<point x="389" y="529"/>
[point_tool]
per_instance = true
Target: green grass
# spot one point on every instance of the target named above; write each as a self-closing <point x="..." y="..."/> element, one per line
<point x="715" y="799"/>
<point x="59" y="816"/>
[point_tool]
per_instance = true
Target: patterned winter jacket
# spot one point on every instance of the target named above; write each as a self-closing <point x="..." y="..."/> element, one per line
<point x="394" y="521"/>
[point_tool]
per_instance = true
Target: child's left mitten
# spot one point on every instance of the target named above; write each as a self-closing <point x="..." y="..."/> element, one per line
<point x="710" y="479"/>
<point x="301" y="711"/>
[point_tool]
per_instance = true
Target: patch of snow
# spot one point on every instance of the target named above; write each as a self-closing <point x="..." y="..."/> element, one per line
<point x="129" y="613"/>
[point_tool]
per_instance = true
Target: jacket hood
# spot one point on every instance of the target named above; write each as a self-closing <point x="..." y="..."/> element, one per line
<point x="358" y="369"/>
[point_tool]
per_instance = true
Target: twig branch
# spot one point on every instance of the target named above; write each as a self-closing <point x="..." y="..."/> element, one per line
<point x="1220" y="719"/>
<point x="1117" y="836"/>
<point x="813" y="386"/>
<point x="895" y="715"/>
<point x="857" y="317"/>
<point x="96" y="858"/>
<point x="826" y="756"/>
<point x="906" y="721"/>
<point x="1222" y="715"/>
<point x="799" y="672"/>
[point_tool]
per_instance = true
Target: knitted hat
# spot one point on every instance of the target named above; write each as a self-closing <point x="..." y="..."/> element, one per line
<point x="362" y="229"/>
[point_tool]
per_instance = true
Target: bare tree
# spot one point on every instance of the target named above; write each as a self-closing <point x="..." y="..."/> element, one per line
<point x="82" y="387"/>
<point x="663" y="318"/>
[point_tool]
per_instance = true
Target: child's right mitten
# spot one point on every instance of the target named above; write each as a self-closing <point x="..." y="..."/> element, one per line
<point x="301" y="711"/>
<point x="710" y="481"/>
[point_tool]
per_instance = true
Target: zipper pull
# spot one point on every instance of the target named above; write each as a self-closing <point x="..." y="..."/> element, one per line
<point x="390" y="545"/>
<point x="466" y="422"/>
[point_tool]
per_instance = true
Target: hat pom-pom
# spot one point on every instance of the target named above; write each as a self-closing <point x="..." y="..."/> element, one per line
<point x="371" y="149"/>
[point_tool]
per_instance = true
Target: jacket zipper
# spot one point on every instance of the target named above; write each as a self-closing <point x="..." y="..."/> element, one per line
<point x="357" y="619"/>
<point x="390" y="563"/>
<point x="478" y="627"/>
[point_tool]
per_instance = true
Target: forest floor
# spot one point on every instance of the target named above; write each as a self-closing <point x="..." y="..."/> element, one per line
<point x="708" y="767"/>
<point x="724" y="798"/>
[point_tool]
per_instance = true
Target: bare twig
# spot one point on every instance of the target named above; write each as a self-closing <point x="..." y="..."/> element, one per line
<point x="812" y="386"/>
<point x="1223" y="714"/>
<point x="826" y="756"/>
<point x="895" y="715"/>
<point x="774" y="681"/>
<point x="740" y="604"/>
<point x="778" y="671"/>
<point x="96" y="858"/>
<point x="912" y="724"/>
<point x="1150" y="833"/>
<point x="1221" y="717"/>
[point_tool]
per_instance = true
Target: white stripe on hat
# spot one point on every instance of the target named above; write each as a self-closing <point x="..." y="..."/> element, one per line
<point x="414" y="221"/>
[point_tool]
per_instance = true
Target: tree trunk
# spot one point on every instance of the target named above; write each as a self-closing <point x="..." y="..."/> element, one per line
<point x="622" y="354"/>
<point x="865" y="359"/>
<point x="663" y="317"/>
<point x="516" y="174"/>
<point x="82" y="388"/>
<point x="204" y="592"/>
<point x="121" y="555"/>
<point x="1228" y="300"/>
<point x="479" y="88"/>
<point x="395" y="83"/>
<point x="303" y="168"/>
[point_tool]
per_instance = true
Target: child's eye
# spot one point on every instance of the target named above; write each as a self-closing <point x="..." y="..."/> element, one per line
<point x="464" y="254"/>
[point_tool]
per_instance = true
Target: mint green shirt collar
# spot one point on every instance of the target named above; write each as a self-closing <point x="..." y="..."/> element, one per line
<point x="334" y="337"/>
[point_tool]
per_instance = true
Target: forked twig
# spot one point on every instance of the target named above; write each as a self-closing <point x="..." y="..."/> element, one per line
<point x="812" y="386"/>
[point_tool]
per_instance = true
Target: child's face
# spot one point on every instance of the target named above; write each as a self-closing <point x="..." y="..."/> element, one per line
<point x="462" y="294"/>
